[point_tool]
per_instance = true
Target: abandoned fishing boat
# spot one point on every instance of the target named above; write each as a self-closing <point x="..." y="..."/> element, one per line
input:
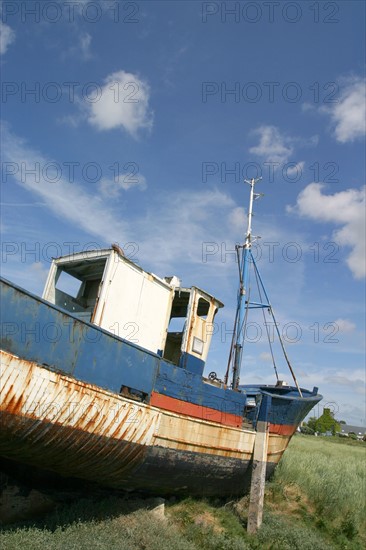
<point x="98" y="384"/>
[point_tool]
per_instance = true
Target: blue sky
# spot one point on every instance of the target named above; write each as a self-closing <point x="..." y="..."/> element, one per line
<point x="144" y="119"/>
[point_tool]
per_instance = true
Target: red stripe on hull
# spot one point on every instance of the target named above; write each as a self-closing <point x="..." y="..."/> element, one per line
<point x="197" y="411"/>
<point x="282" y="429"/>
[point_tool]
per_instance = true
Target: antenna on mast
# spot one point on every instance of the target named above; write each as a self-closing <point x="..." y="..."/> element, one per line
<point x="253" y="196"/>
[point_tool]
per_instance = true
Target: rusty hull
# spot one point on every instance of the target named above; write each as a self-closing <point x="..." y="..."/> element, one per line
<point x="52" y="421"/>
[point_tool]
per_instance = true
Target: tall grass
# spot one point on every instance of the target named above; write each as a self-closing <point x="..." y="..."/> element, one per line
<point x="316" y="501"/>
<point x="331" y="482"/>
<point x="138" y="530"/>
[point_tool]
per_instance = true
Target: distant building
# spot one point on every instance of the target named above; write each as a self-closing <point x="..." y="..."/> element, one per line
<point x="358" y="430"/>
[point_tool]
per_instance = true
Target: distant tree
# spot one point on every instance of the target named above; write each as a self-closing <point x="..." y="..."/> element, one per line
<point x="312" y="423"/>
<point x="306" y="430"/>
<point x="352" y="435"/>
<point x="327" y="423"/>
<point x="342" y="421"/>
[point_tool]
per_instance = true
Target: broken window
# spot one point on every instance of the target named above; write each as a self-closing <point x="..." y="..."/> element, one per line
<point x="177" y="325"/>
<point x="68" y="284"/>
<point x="203" y="308"/>
<point x="77" y="286"/>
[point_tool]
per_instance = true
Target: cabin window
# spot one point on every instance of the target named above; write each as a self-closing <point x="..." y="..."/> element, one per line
<point x="177" y="325"/>
<point x="203" y="308"/>
<point x="197" y="346"/>
<point x="68" y="284"/>
<point x="77" y="286"/>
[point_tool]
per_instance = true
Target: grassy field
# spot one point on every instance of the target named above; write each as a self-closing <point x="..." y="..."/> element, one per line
<point x="325" y="482"/>
<point x="316" y="501"/>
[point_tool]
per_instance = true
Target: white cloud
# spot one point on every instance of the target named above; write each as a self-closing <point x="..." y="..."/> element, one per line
<point x="343" y="391"/>
<point x="238" y="218"/>
<point x="7" y="37"/>
<point x="295" y="170"/>
<point x="71" y="120"/>
<point x="305" y="107"/>
<point x="348" y="115"/>
<point x="352" y="379"/>
<point x="173" y="226"/>
<point x="344" y="325"/>
<point x="345" y="208"/>
<point x="85" y="42"/>
<point x="82" y="47"/>
<point x="265" y="356"/>
<point x="69" y="201"/>
<point x="123" y="103"/>
<point x="189" y="224"/>
<point x="111" y="188"/>
<point x="39" y="272"/>
<point x="273" y="146"/>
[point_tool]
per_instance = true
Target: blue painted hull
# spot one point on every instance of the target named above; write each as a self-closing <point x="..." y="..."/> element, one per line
<point x="199" y="450"/>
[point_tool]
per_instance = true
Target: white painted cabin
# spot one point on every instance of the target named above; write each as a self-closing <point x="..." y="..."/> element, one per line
<point x="107" y="289"/>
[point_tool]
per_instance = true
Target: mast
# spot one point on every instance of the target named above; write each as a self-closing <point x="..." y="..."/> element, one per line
<point x="243" y="288"/>
<point x="244" y="303"/>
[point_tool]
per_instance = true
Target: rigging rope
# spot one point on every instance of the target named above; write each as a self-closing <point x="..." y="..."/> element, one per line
<point x="279" y="335"/>
<point x="265" y="324"/>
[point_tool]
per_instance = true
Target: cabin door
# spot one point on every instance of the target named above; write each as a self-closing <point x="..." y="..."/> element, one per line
<point x="177" y="327"/>
<point x="199" y="331"/>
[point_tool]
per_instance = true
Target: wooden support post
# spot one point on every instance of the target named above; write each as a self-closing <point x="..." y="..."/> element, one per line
<point x="257" y="486"/>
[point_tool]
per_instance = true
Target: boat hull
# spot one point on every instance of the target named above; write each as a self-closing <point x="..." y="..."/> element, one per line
<point x="67" y="407"/>
<point x="75" y="429"/>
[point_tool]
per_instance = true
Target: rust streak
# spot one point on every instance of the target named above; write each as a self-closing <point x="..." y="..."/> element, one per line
<point x="204" y="445"/>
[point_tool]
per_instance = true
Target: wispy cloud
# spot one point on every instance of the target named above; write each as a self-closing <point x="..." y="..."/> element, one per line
<point x="187" y="231"/>
<point x="354" y="380"/>
<point x="82" y="48"/>
<point x="175" y="225"/>
<point x="112" y="188"/>
<point x="296" y="169"/>
<point x="265" y="356"/>
<point x="85" y="42"/>
<point x="68" y="201"/>
<point x="344" y="325"/>
<point x="273" y="146"/>
<point x="345" y="208"/>
<point x="7" y="37"/>
<point x="348" y="115"/>
<point x="39" y="272"/>
<point x="181" y="223"/>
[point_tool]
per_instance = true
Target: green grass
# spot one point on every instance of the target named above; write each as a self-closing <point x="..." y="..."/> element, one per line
<point x="316" y="501"/>
<point x="327" y="478"/>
